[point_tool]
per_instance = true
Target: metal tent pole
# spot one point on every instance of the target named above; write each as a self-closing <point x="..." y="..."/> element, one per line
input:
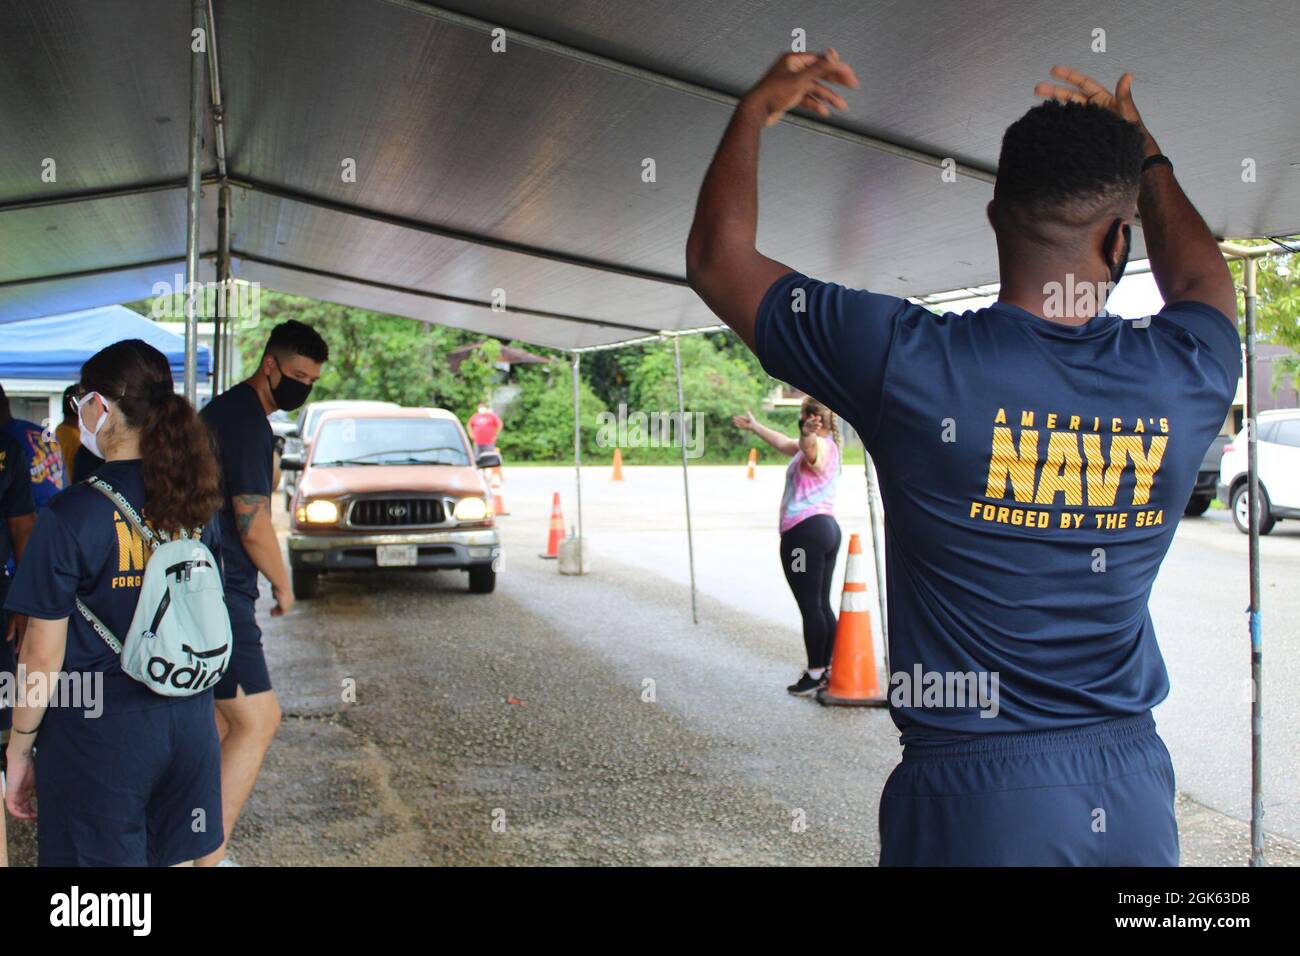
<point x="225" y="289"/>
<point x="577" y="451"/>
<point x="686" y="481"/>
<point x="1256" y="631"/>
<point x="232" y="350"/>
<point x="198" y="67"/>
<point x="877" y="514"/>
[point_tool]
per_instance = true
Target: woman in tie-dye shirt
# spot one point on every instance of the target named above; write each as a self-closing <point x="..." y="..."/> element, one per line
<point x="810" y="535"/>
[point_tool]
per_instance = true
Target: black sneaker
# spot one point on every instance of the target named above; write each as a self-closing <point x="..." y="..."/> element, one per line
<point x="806" y="685"/>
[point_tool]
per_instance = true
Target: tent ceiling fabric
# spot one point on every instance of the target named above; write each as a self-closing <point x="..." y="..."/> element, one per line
<point x="532" y="150"/>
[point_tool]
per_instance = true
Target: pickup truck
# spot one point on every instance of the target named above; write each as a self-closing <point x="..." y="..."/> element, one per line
<point x="391" y="488"/>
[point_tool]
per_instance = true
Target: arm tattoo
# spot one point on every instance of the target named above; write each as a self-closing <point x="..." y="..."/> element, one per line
<point x="247" y="508"/>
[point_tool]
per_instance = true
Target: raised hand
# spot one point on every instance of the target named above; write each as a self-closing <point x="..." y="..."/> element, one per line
<point x="1084" y="89"/>
<point x="799" y="79"/>
<point x="745" y="422"/>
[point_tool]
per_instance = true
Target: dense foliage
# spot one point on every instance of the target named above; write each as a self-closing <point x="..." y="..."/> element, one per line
<point x="375" y="356"/>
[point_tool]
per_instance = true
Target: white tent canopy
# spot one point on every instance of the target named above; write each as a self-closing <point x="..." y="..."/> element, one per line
<point x="517" y="176"/>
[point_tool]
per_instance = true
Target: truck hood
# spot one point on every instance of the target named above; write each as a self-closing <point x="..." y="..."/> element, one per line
<point x="453" y="480"/>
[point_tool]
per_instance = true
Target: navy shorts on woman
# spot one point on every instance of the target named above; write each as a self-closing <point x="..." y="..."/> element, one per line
<point x="1101" y="795"/>
<point x="165" y="810"/>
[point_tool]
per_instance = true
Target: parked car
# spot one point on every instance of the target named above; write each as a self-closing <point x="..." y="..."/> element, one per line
<point x="282" y="424"/>
<point x="391" y="488"/>
<point x="300" y="433"/>
<point x="1207" y="479"/>
<point x="1278" y="449"/>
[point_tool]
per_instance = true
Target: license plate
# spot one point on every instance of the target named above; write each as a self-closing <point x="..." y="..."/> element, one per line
<point x="397" y="555"/>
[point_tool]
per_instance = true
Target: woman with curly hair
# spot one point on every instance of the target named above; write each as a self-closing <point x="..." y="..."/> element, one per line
<point x="123" y="776"/>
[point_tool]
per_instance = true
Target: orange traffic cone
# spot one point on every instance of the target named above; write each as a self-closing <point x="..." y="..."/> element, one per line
<point x="556" y="534"/>
<point x="618" y="465"/>
<point x="753" y="460"/>
<point x="498" y="501"/>
<point x="853" y="662"/>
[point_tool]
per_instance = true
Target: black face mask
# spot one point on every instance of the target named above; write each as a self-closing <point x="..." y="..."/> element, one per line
<point x="290" y="394"/>
<point x="1117" y="270"/>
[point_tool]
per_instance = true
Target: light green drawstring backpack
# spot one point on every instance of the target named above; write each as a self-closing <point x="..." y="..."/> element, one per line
<point x="179" y="641"/>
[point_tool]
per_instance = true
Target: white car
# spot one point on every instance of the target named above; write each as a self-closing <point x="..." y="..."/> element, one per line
<point x="1278" y="448"/>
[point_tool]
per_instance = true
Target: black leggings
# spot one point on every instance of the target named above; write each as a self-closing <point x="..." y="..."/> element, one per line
<point x="809" y="575"/>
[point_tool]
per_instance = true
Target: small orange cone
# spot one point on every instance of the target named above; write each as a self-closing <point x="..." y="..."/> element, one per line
<point x="853" y="662"/>
<point x="753" y="459"/>
<point x="618" y="465"/>
<point x="498" y="501"/>
<point x="556" y="534"/>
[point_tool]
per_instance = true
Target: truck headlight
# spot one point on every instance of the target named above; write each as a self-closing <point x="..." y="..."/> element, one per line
<point x="471" y="509"/>
<point x="320" y="511"/>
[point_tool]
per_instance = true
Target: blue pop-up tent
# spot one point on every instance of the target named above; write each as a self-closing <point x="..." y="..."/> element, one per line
<point x="55" y="346"/>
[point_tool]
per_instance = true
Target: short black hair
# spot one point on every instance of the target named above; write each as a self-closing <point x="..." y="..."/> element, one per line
<point x="1069" y="162"/>
<point x="297" y="338"/>
<point x="69" y="401"/>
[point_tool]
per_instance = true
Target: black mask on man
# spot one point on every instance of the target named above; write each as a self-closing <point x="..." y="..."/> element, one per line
<point x="1112" y="237"/>
<point x="290" y="394"/>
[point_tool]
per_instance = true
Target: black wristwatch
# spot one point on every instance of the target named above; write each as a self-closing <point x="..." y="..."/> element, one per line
<point x="1157" y="159"/>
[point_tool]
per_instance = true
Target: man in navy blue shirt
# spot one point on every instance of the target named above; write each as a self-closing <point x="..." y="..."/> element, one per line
<point x="19" y="516"/>
<point x="247" y="710"/>
<point x="1034" y="457"/>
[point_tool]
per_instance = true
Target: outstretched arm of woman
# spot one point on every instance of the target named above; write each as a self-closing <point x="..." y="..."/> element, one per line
<point x="782" y="443"/>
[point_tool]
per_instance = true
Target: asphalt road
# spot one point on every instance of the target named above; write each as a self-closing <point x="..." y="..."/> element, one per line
<point x="588" y="720"/>
<point x="593" y="722"/>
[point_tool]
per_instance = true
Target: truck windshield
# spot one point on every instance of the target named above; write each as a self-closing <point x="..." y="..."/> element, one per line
<point x="388" y="441"/>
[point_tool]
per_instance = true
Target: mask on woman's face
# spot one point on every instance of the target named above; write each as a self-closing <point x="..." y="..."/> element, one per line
<point x="90" y="438"/>
<point x="290" y="394"/>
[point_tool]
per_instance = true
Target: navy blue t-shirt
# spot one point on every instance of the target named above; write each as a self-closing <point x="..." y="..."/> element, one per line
<point x="245" y="448"/>
<point x="15" y="497"/>
<point x="82" y="547"/>
<point x="44" y="458"/>
<point x="1032" y="475"/>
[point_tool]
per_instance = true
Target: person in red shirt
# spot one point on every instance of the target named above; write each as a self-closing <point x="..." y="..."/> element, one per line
<point x="484" y="425"/>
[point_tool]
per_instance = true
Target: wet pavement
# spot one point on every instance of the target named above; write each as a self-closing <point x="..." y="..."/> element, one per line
<point x="587" y="720"/>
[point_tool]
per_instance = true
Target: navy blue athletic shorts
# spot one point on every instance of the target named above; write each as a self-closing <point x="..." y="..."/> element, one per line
<point x="247" y="659"/>
<point x="1100" y="795"/>
<point x="132" y="788"/>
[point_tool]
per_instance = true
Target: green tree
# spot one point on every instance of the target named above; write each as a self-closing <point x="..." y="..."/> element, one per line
<point x="372" y="356"/>
<point x="473" y="380"/>
<point x="715" y="386"/>
<point x="1277" y="310"/>
<point x="540" y="426"/>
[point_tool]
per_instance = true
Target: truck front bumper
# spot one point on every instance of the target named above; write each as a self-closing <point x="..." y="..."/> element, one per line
<point x="357" y="552"/>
